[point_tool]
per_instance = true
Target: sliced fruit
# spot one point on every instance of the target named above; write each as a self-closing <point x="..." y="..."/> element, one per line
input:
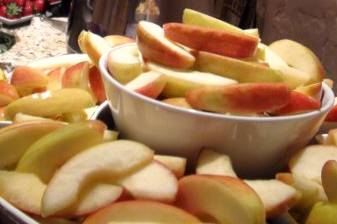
<point x="115" y="40"/>
<point x="107" y="161"/>
<point x="55" y="78"/>
<point x="20" y="117"/>
<point x="312" y="90"/>
<point x="214" y="163"/>
<point x="8" y="93"/>
<point x="298" y="56"/>
<point x="155" y="47"/>
<point x="110" y="135"/>
<point x="220" y="199"/>
<point x="329" y="180"/>
<point x="276" y="196"/>
<point x="332" y="137"/>
<point x="253" y="31"/>
<point x="96" y="84"/>
<point x="149" y="84"/>
<point x="51" y="63"/>
<point x="28" y="80"/>
<point x="240" y="98"/>
<point x="76" y="116"/>
<point x="239" y="70"/>
<point x="176" y="164"/>
<point x="152" y="182"/>
<point x="50" y="152"/>
<point x="212" y="40"/>
<point x="332" y="115"/>
<point x="178" y="101"/>
<point x="179" y="82"/>
<point x="141" y="212"/>
<point x="77" y="76"/>
<point x="323" y="212"/>
<point x="124" y="63"/>
<point x="22" y="190"/>
<point x="17" y="138"/>
<point x="51" y="103"/>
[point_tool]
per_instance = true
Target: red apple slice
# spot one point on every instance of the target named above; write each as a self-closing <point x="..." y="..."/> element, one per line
<point x="8" y="93"/>
<point x="240" y="98"/>
<point x="212" y="40"/>
<point x="76" y="76"/>
<point x="141" y="212"/>
<point x="96" y="84"/>
<point x="149" y="84"/>
<point x="155" y="47"/>
<point x="55" y="78"/>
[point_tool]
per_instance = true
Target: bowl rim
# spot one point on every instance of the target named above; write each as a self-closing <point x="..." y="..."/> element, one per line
<point x="327" y="93"/>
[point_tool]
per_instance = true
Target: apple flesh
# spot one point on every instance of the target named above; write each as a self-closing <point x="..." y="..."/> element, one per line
<point x="107" y="161"/>
<point x="96" y="84"/>
<point x="20" y="117"/>
<point x="178" y="82"/>
<point x="115" y="40"/>
<point x="149" y="84"/>
<point x="50" y="103"/>
<point x="212" y="40"/>
<point x="55" y="77"/>
<point x="124" y="63"/>
<point x="141" y="212"/>
<point x="332" y="137"/>
<point x="8" y="93"/>
<point x="28" y="80"/>
<point x="178" y="101"/>
<point x="312" y="90"/>
<point x="76" y="76"/>
<point x="244" y="98"/>
<point x="176" y="164"/>
<point x="220" y="199"/>
<point x="155" y="47"/>
<point x="238" y="70"/>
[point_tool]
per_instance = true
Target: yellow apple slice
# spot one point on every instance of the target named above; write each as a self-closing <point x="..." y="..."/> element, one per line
<point x="178" y="102"/>
<point x="239" y="70"/>
<point x="110" y="135"/>
<point x="179" y="82"/>
<point x="50" y="152"/>
<point x="20" y="117"/>
<point x="51" y="103"/>
<point x="107" y="161"/>
<point x="220" y="199"/>
<point x="115" y="40"/>
<point x="332" y="137"/>
<point x="141" y="212"/>
<point x="329" y="180"/>
<point x="321" y="213"/>
<point x="298" y="56"/>
<point x="124" y="63"/>
<point x="176" y="164"/>
<point x="51" y="63"/>
<point x="17" y="138"/>
<point x="214" y="163"/>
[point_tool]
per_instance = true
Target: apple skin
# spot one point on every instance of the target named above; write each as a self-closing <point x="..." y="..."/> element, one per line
<point x="55" y="78"/>
<point x="332" y="115"/>
<point x="212" y="40"/>
<point x="76" y="76"/>
<point x="329" y="180"/>
<point x="323" y="213"/>
<point x="96" y="84"/>
<point x="155" y="47"/>
<point x="8" y="93"/>
<point x="244" y="98"/>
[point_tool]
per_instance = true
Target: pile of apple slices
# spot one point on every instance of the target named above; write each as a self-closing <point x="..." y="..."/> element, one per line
<point x="210" y="65"/>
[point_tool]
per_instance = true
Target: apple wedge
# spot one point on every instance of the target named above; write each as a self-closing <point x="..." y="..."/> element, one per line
<point x="219" y="199"/>
<point x="23" y="190"/>
<point x="239" y="70"/>
<point x="17" y="138"/>
<point x="276" y="196"/>
<point x="76" y="76"/>
<point x="149" y="84"/>
<point x="141" y="212"/>
<point x="211" y="40"/>
<point x="313" y="90"/>
<point x="300" y="57"/>
<point x="51" y="151"/>
<point x="20" y="117"/>
<point x="55" y="77"/>
<point x="124" y="63"/>
<point x="243" y="98"/>
<point x="8" y="93"/>
<point x="178" y="82"/>
<point x="176" y="164"/>
<point x="96" y="84"/>
<point x="152" y="182"/>
<point x="107" y="161"/>
<point x="329" y="180"/>
<point x="322" y="212"/>
<point x="178" y="101"/>
<point x="115" y="40"/>
<point x="155" y="47"/>
<point x="50" y="103"/>
<point x="214" y="163"/>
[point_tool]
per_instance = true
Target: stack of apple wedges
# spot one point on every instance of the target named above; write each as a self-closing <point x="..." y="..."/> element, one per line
<point x="206" y="64"/>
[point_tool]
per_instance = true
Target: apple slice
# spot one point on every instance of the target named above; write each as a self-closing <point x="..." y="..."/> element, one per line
<point x="332" y="115"/>
<point x="176" y="164"/>
<point x="149" y="84"/>
<point x="240" y="98"/>
<point x="298" y="56"/>
<point x="115" y="40"/>
<point x="332" y="137"/>
<point x="55" y="78"/>
<point x="212" y="40"/>
<point x="329" y="180"/>
<point x="28" y="80"/>
<point x="322" y="212"/>
<point x="239" y="70"/>
<point x="152" y="182"/>
<point x="50" y="103"/>
<point x="179" y="82"/>
<point x="96" y="84"/>
<point x="178" y="101"/>
<point x="17" y="138"/>
<point x="51" y="63"/>
<point x="276" y="196"/>
<point x="220" y="199"/>
<point x="76" y="76"/>
<point x="8" y="93"/>
<point x="110" y="135"/>
<point x="155" y="47"/>
<point x="106" y="161"/>
<point x="20" y="117"/>
<point x="214" y="163"/>
<point x="309" y="162"/>
<point x="50" y="152"/>
<point x="313" y="90"/>
<point x="124" y="63"/>
<point x="141" y="212"/>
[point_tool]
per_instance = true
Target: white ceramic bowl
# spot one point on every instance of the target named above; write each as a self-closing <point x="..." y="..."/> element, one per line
<point x="258" y="146"/>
